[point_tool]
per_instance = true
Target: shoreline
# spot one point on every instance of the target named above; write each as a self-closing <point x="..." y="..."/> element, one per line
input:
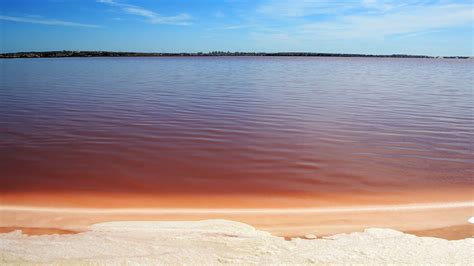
<point x="254" y="211"/>
<point x="424" y="219"/>
<point x="65" y="53"/>
<point x="298" y="200"/>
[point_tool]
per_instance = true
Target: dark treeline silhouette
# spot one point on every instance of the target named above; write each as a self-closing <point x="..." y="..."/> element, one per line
<point x="214" y="53"/>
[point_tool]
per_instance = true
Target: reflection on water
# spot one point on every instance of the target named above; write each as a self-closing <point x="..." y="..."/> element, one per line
<point x="235" y="125"/>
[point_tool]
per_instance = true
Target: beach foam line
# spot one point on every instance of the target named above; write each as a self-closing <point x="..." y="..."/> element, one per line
<point x="253" y="211"/>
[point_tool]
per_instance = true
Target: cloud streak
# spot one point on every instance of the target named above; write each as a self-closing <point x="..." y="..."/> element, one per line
<point x="149" y="15"/>
<point x="304" y="8"/>
<point x="414" y="19"/>
<point x="291" y="9"/>
<point x="369" y="19"/>
<point x="45" y="21"/>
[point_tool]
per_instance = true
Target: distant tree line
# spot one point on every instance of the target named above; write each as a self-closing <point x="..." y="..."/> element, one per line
<point x="214" y="53"/>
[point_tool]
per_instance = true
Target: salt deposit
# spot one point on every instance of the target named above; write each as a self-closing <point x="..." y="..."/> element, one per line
<point x="223" y="241"/>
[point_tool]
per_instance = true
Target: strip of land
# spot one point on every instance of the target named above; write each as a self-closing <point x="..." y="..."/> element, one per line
<point x="52" y="54"/>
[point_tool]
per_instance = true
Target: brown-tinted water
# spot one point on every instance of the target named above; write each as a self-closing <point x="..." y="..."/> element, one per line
<point x="243" y="126"/>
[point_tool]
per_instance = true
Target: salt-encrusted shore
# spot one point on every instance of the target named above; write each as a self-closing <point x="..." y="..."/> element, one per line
<point x="223" y="241"/>
<point x="448" y="220"/>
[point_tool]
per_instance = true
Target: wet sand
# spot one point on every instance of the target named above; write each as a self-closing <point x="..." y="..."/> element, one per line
<point x="446" y="220"/>
<point x="441" y="214"/>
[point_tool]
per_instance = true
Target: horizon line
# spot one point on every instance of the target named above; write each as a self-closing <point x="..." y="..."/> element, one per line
<point x="72" y="53"/>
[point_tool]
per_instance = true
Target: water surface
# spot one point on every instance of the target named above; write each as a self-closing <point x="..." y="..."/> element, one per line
<point x="235" y="125"/>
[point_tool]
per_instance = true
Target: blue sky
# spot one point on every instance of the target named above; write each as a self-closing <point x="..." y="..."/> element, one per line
<point x="435" y="27"/>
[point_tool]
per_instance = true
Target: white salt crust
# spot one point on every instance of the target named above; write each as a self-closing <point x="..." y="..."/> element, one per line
<point x="225" y="242"/>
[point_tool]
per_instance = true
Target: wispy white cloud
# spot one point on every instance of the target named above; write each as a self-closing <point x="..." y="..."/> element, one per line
<point x="150" y="16"/>
<point x="313" y="20"/>
<point x="46" y="21"/>
<point x="285" y="8"/>
<point x="233" y="27"/>
<point x="219" y="14"/>
<point x="414" y="19"/>
<point x="303" y="8"/>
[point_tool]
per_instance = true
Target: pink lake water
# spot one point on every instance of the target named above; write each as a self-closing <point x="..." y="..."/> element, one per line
<point x="235" y="126"/>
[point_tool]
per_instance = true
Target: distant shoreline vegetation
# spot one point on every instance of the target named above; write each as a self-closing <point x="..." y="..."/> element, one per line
<point x="55" y="54"/>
